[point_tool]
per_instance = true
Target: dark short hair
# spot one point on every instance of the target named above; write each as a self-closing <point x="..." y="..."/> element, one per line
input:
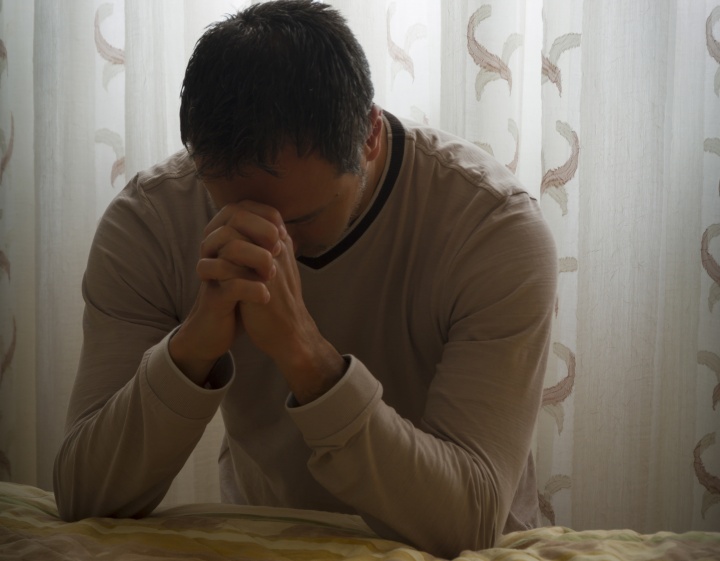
<point x="288" y="72"/>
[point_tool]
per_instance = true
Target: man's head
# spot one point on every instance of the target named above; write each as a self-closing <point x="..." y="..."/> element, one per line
<point x="278" y="74"/>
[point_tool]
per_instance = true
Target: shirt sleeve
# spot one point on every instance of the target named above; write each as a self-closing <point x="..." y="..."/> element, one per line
<point x="133" y="417"/>
<point x="447" y="484"/>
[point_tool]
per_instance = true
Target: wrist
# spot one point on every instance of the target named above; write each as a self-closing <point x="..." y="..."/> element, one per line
<point x="194" y="367"/>
<point x="313" y="370"/>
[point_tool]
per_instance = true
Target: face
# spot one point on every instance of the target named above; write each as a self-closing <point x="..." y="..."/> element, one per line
<point x="317" y="204"/>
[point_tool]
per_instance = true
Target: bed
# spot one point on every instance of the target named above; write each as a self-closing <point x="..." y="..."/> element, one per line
<point x="30" y="529"/>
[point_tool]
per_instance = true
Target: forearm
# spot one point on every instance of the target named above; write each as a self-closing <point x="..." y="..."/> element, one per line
<point x="410" y="484"/>
<point x="426" y="491"/>
<point x="120" y="460"/>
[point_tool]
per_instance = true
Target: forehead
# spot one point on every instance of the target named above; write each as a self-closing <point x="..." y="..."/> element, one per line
<point x="299" y="186"/>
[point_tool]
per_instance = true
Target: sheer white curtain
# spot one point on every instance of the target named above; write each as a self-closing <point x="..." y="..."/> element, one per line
<point x="609" y="112"/>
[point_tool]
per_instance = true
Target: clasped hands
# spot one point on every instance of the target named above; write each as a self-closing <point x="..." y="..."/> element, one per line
<point x="250" y="286"/>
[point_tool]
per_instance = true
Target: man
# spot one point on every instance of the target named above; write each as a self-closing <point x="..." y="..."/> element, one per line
<point x="366" y="300"/>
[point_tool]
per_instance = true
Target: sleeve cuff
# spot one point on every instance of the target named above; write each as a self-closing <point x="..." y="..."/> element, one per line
<point x="178" y="392"/>
<point x="341" y="411"/>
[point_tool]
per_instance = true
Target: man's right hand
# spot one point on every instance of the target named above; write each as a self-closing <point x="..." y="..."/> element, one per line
<point x="236" y="259"/>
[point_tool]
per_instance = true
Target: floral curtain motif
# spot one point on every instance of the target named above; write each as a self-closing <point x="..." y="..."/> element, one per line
<point x="515" y="133"/>
<point x="401" y="59"/>
<point x="554" y="396"/>
<point x="493" y="37"/>
<point x="3" y="59"/>
<point x="7" y="344"/>
<point x="552" y="400"/>
<point x="568" y="264"/>
<point x="710" y="482"/>
<point x="550" y="70"/>
<point x="114" y="58"/>
<point x="114" y="141"/>
<point x="492" y="67"/>
<point x="560" y="94"/>
<point x="711" y="266"/>
<point x="711" y="146"/>
<point x="555" y="484"/>
<point x="418" y="115"/>
<point x="712" y="361"/>
<point x="400" y="53"/>
<point x="554" y="180"/>
<point x="6" y="146"/>
<point x="713" y="46"/>
<point x="6" y="357"/>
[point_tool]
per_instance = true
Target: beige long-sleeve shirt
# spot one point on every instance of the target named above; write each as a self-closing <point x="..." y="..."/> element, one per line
<point x="440" y="297"/>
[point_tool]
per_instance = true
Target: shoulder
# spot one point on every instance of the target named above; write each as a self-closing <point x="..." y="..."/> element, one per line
<point x="170" y="183"/>
<point x="472" y="226"/>
<point x="178" y="168"/>
<point x="160" y="210"/>
<point x="462" y="193"/>
<point x="458" y="162"/>
<point x="168" y="195"/>
<point x="147" y="239"/>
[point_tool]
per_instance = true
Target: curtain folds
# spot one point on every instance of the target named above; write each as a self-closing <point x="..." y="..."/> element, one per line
<point x="608" y="112"/>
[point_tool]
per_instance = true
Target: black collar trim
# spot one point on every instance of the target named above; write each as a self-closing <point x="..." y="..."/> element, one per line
<point x="396" y="158"/>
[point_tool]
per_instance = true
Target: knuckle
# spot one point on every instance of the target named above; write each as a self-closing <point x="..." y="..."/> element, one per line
<point x="268" y="259"/>
<point x="275" y="216"/>
<point x="204" y="247"/>
<point x="245" y="203"/>
<point x="231" y="246"/>
<point x="204" y="269"/>
<point x="243" y="290"/>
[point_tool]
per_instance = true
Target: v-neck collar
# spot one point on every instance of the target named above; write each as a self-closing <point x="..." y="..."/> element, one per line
<point x="395" y="154"/>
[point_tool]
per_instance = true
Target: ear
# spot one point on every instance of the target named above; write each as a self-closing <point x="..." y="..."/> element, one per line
<point x="373" y="143"/>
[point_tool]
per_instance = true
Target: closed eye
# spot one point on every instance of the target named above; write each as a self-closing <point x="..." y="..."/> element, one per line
<point x="306" y="219"/>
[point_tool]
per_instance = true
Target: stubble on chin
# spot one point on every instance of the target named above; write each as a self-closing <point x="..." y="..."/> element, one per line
<point x="357" y="209"/>
<point x="317" y="250"/>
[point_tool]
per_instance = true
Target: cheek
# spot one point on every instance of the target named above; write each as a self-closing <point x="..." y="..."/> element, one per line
<point x="313" y="232"/>
<point x="221" y="197"/>
<point x="326" y="229"/>
<point x="321" y="233"/>
<point x="293" y="231"/>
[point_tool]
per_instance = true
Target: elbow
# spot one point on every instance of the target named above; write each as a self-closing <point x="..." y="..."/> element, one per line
<point x="473" y="522"/>
<point x="73" y="498"/>
<point x="67" y="514"/>
<point x="69" y="506"/>
<point x="475" y="533"/>
<point x="484" y="528"/>
<point x="62" y="489"/>
<point x="67" y="510"/>
<point x="486" y="515"/>
<point x="78" y="497"/>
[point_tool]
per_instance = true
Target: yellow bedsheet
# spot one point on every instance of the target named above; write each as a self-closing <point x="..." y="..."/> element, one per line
<point x="30" y="529"/>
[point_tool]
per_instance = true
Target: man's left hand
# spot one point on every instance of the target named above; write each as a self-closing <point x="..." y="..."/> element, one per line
<point x="284" y="330"/>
